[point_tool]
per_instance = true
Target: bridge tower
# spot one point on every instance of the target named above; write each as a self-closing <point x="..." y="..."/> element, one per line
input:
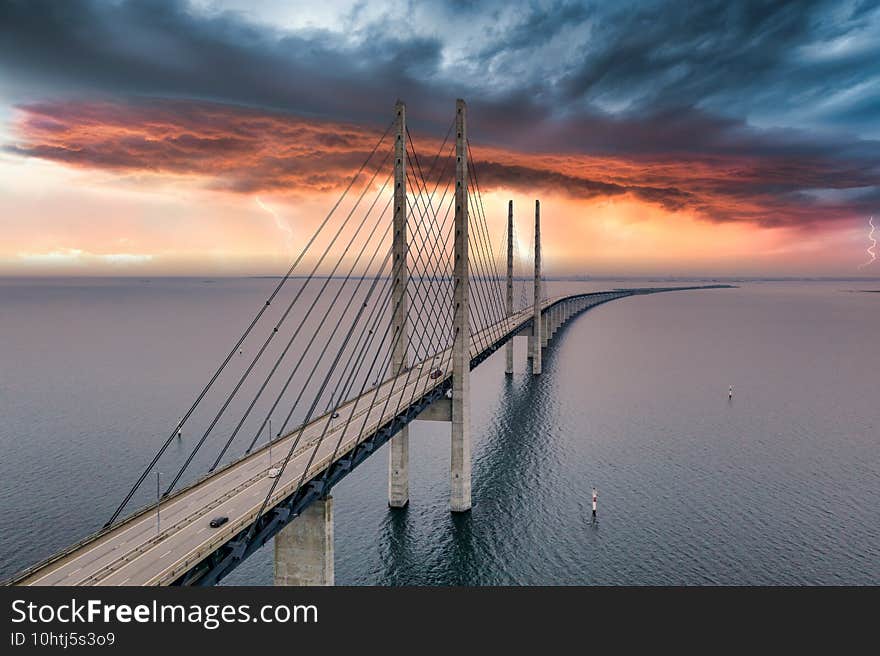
<point x="535" y="341"/>
<point x="508" y="348"/>
<point x="460" y="474"/>
<point x="398" y="455"/>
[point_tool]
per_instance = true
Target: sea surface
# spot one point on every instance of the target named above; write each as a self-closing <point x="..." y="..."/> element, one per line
<point x="778" y="485"/>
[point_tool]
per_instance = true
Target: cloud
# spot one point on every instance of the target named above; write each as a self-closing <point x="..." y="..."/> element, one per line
<point x="532" y="72"/>
<point x="249" y="151"/>
<point x="746" y="111"/>
<point x="75" y="257"/>
<point x="233" y="149"/>
<point x="163" y="48"/>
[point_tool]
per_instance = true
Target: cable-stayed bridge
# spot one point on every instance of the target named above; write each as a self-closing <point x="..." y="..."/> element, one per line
<point x="379" y="320"/>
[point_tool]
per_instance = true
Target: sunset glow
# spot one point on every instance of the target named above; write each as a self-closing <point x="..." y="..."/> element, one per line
<point x="146" y="182"/>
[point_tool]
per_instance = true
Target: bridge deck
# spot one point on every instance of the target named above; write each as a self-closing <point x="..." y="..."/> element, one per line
<point x="132" y="553"/>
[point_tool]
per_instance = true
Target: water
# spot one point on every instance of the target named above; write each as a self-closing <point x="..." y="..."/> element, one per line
<point x="781" y="485"/>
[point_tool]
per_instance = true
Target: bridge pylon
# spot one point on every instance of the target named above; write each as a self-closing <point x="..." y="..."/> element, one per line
<point x="460" y="474"/>
<point x="508" y="348"/>
<point x="535" y="343"/>
<point x="398" y="454"/>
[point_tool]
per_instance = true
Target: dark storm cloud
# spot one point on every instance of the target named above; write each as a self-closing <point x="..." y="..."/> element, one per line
<point x="649" y="58"/>
<point x="159" y="47"/>
<point x="680" y="58"/>
<point x="794" y="84"/>
<point x="494" y="174"/>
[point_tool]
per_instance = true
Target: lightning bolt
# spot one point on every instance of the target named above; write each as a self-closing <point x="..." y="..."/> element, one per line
<point x="281" y="225"/>
<point x="873" y="245"/>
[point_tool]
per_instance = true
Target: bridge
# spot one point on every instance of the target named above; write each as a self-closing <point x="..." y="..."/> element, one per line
<point x="370" y="350"/>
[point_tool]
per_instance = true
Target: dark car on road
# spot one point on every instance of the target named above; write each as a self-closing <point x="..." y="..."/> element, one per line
<point x="218" y="521"/>
<point x="436" y="374"/>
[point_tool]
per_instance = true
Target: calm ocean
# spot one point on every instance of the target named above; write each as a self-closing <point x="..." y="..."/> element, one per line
<point x="780" y="485"/>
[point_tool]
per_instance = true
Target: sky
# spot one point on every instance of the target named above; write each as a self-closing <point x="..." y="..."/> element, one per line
<point x="210" y="137"/>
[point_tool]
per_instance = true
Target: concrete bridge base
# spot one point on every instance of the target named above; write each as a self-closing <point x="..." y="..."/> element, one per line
<point x="398" y="469"/>
<point x="304" y="548"/>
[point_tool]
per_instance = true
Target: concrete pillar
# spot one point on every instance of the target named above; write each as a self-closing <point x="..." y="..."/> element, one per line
<point x="508" y="349"/>
<point x="536" y="316"/>
<point x="460" y="474"/>
<point x="545" y="328"/>
<point x="304" y="548"/>
<point x="398" y="454"/>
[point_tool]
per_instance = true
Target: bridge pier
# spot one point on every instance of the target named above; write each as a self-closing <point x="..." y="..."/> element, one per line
<point x="537" y="320"/>
<point x="304" y="548"/>
<point x="460" y="465"/>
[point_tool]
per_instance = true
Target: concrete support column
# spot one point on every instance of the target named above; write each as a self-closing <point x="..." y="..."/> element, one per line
<point x="460" y="474"/>
<point x="508" y="349"/>
<point x="535" y="341"/>
<point x="398" y="454"/>
<point x="304" y="548"/>
<point x="545" y="328"/>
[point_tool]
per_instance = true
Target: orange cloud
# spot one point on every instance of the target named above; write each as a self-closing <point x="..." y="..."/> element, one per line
<point x="251" y="151"/>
